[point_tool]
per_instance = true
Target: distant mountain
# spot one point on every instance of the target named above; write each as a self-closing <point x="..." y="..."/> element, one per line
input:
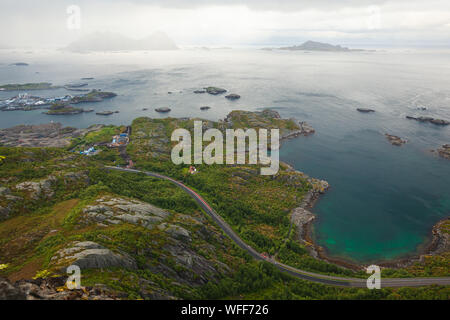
<point x="318" y="46"/>
<point x="109" y="41"/>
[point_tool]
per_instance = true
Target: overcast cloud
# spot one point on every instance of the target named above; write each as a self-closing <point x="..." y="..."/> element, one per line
<point x="379" y="23"/>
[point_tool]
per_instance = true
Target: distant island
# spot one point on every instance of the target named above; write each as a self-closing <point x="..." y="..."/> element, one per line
<point x="109" y="41"/>
<point x="27" y="86"/>
<point x="319" y="46"/>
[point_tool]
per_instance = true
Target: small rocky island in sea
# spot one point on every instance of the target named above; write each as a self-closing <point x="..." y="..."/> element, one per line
<point x="215" y="90"/>
<point x="63" y="109"/>
<point x="76" y="87"/>
<point x="395" y="140"/>
<point x="365" y="110"/>
<point x="163" y="109"/>
<point x="106" y="113"/>
<point x="319" y="46"/>
<point x="439" y="122"/>
<point x="444" y="151"/>
<point x="233" y="96"/>
<point x="28" y="86"/>
<point x="19" y="64"/>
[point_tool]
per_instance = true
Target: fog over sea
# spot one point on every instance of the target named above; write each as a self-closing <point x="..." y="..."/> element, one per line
<point x="383" y="199"/>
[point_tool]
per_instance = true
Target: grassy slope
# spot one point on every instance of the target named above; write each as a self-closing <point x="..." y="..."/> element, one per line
<point x="257" y="207"/>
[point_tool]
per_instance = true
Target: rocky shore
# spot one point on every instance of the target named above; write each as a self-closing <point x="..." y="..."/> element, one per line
<point x="43" y="135"/>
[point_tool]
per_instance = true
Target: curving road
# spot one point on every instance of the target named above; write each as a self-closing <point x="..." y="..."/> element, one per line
<point x="305" y="275"/>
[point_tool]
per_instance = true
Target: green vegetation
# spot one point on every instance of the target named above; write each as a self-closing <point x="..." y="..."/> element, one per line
<point x="39" y="224"/>
<point x="59" y="109"/>
<point x="28" y="86"/>
<point x="93" y="96"/>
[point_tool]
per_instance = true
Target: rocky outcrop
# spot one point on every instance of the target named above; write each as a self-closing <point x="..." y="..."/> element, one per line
<point x="107" y="211"/>
<point x="444" y="151"/>
<point x="365" y="110"/>
<point x="39" y="189"/>
<point x="441" y="237"/>
<point x="233" y="96"/>
<point x="395" y="140"/>
<point x="176" y="232"/>
<point x="10" y="292"/>
<point x="91" y="255"/>
<point x="430" y="120"/>
<point x="43" y="135"/>
<point x="301" y="217"/>
<point x="163" y="110"/>
<point x="215" y="90"/>
<point x="53" y="289"/>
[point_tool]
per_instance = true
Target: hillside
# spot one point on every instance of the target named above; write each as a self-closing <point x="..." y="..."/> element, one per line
<point x="137" y="237"/>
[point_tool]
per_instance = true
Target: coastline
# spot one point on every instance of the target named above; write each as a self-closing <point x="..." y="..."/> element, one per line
<point x="436" y="242"/>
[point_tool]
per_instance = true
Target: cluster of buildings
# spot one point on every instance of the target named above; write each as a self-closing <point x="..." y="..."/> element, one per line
<point x="90" y="152"/>
<point x="26" y="101"/>
<point x="119" y="140"/>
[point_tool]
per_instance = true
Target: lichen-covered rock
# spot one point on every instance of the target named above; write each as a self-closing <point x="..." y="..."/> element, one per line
<point x="91" y="255"/>
<point x="39" y="189"/>
<point x="75" y="177"/>
<point x="117" y="210"/>
<point x="175" y="231"/>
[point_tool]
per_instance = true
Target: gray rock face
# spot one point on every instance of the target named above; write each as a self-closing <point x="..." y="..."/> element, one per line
<point x="73" y="177"/>
<point x="117" y="210"/>
<point x="90" y="255"/>
<point x="175" y="231"/>
<point x="40" y="189"/>
<point x="300" y="217"/>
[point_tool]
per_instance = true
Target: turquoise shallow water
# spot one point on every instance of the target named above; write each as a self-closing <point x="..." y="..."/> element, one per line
<point x="383" y="200"/>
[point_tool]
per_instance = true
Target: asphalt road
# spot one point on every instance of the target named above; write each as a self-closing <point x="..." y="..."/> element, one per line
<point x="305" y="275"/>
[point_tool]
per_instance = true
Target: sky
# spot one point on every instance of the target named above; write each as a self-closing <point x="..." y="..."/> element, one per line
<point x="363" y="23"/>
